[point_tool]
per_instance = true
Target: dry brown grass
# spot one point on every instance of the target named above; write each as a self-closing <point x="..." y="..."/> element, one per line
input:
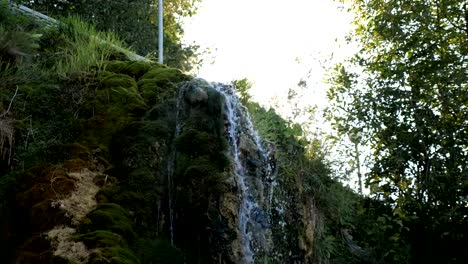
<point x="7" y="130"/>
<point x="6" y="137"/>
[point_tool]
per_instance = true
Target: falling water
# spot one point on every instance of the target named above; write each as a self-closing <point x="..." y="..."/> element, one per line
<point x="171" y="164"/>
<point x="254" y="221"/>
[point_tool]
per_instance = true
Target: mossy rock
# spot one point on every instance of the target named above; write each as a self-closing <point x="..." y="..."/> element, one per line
<point x="201" y="168"/>
<point x="103" y="74"/>
<point x="202" y="121"/>
<point x="154" y="91"/>
<point x="113" y="255"/>
<point x="205" y="179"/>
<point x="112" y="110"/>
<point x="135" y="69"/>
<point x="140" y="202"/>
<point x="116" y="66"/>
<point x="111" y="217"/>
<point x="197" y="143"/>
<point x="165" y="75"/>
<point x="195" y="95"/>
<point x="163" y="112"/>
<point x="141" y="178"/>
<point x="98" y="131"/>
<point x="140" y="144"/>
<point x="158" y="251"/>
<point x="215" y="104"/>
<point x="121" y="97"/>
<point x="138" y="68"/>
<point x="120" y="91"/>
<point x="101" y="238"/>
<point x="118" y="80"/>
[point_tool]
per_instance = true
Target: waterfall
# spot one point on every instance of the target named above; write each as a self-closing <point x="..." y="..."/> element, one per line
<point x="254" y="176"/>
<point x="171" y="163"/>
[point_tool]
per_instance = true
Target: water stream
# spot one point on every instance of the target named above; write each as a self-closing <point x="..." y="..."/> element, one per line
<point x="171" y="163"/>
<point x="254" y="175"/>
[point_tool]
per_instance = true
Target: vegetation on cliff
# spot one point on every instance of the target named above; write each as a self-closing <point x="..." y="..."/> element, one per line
<point x="135" y="22"/>
<point x="83" y="140"/>
<point x="108" y="160"/>
<point x="90" y="140"/>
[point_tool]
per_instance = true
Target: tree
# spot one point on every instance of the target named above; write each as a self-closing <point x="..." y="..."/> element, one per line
<point x="406" y="92"/>
<point x="133" y="20"/>
<point x="243" y="86"/>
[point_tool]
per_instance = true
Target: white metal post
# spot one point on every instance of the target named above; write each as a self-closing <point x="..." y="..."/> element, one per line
<point x="161" y="28"/>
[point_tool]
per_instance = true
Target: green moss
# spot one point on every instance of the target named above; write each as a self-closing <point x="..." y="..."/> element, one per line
<point x="166" y="75"/>
<point x="208" y="116"/>
<point x="138" y="68"/>
<point x="116" y="66"/>
<point x="112" y="109"/>
<point x="160" y="84"/>
<point x="144" y="82"/>
<point x="205" y="178"/>
<point x="103" y="74"/>
<point x="118" y="80"/>
<point x="119" y="92"/>
<point x="139" y="144"/>
<point x="113" y="255"/>
<point x="110" y="217"/>
<point x="101" y="238"/>
<point x="141" y="201"/>
<point x="158" y="251"/>
<point x="154" y="93"/>
<point x="194" y="143"/>
<point x="135" y="69"/>
<point x="215" y="103"/>
<point x="122" y="97"/>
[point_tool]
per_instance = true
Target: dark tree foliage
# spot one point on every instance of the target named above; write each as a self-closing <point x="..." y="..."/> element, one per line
<point x="135" y="21"/>
<point x="406" y="90"/>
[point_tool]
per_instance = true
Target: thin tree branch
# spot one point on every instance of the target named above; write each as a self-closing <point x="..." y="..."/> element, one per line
<point x="11" y="102"/>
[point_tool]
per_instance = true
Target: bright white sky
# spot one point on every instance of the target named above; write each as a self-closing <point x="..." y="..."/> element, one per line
<point x="271" y="42"/>
<point x="274" y="44"/>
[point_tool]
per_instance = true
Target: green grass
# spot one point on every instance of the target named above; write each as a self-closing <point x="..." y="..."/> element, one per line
<point x="87" y="49"/>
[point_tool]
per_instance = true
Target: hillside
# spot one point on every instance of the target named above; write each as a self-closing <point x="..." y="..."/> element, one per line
<point x="109" y="157"/>
<point x="107" y="160"/>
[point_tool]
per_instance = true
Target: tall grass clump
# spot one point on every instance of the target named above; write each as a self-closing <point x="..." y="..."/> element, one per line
<point x="87" y="49"/>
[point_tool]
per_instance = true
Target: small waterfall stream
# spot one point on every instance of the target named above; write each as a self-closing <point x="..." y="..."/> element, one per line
<point x="252" y="171"/>
<point x="254" y="175"/>
<point x="171" y="163"/>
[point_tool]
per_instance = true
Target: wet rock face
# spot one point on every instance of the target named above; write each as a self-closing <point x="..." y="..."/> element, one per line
<point x="196" y="95"/>
<point x="249" y="169"/>
<point x="205" y="209"/>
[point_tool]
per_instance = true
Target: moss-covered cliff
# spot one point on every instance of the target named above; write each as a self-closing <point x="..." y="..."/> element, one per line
<point x="107" y="160"/>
